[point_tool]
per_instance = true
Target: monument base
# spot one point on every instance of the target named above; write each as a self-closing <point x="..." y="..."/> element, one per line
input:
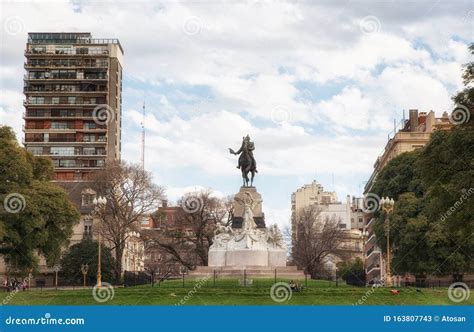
<point x="248" y="247"/>
<point x="247" y="257"/>
<point x="250" y="272"/>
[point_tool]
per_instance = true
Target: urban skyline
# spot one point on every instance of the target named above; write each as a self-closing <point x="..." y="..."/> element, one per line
<point x="313" y="110"/>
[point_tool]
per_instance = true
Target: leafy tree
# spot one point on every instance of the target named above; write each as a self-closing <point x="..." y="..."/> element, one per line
<point x="352" y="272"/>
<point x="431" y="228"/>
<point x="466" y="96"/>
<point x="85" y="252"/>
<point x="36" y="216"/>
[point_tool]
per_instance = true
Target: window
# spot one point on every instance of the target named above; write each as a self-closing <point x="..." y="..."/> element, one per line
<point x="36" y="150"/>
<point x="88" y="151"/>
<point x="62" y="150"/>
<point x="88" y="196"/>
<point x="361" y="220"/>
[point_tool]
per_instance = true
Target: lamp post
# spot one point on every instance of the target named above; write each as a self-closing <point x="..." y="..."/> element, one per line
<point x="99" y="204"/>
<point x="84" y="270"/>
<point x="387" y="204"/>
<point x="56" y="269"/>
<point x="365" y="235"/>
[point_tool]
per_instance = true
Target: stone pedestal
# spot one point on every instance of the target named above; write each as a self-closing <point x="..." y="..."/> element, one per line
<point x="252" y="245"/>
<point x="244" y="194"/>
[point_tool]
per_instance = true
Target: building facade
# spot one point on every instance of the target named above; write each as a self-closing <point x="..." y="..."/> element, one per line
<point x="348" y="214"/>
<point x="413" y="134"/>
<point x="73" y="97"/>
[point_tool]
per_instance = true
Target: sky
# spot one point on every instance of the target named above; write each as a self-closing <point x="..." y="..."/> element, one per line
<point x="316" y="84"/>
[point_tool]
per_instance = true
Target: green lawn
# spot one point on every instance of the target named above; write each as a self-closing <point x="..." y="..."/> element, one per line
<point x="228" y="292"/>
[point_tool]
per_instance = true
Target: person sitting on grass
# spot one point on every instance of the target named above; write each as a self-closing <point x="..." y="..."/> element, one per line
<point x="292" y="285"/>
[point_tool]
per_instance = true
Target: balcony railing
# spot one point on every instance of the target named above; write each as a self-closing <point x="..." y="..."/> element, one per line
<point x="64" y="52"/>
<point x="61" y="103"/>
<point x="373" y="266"/>
<point x="61" y="116"/>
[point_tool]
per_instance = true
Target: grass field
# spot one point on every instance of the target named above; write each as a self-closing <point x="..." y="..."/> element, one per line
<point x="229" y="292"/>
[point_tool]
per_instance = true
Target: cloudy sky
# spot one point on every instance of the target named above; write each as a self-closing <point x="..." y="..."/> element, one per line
<point x="316" y="84"/>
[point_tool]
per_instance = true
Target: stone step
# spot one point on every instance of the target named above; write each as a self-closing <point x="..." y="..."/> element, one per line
<point x="295" y="275"/>
<point x="247" y="268"/>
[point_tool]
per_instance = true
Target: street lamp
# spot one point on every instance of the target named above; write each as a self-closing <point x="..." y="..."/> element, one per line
<point x="99" y="204"/>
<point x="387" y="205"/>
<point x="364" y="235"/>
<point x="84" y="270"/>
<point x="56" y="269"/>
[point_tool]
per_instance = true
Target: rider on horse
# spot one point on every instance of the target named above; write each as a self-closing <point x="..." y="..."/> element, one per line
<point x="247" y="146"/>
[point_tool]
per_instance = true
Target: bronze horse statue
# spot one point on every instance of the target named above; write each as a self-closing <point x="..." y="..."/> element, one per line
<point x="247" y="163"/>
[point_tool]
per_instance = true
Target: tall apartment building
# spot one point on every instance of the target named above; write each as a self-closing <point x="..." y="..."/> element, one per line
<point x="414" y="134"/>
<point x="73" y="90"/>
<point x="349" y="215"/>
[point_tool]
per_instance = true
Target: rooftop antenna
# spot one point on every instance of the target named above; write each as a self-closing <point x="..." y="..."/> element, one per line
<point x="143" y="136"/>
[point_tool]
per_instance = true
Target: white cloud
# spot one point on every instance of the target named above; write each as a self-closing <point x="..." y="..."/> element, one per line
<point x="238" y="72"/>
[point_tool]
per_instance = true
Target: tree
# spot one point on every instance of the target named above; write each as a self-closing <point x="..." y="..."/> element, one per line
<point x="352" y="272"/>
<point x="188" y="239"/>
<point x="153" y="264"/>
<point x="315" y="240"/>
<point x="131" y="196"/>
<point x="36" y="216"/>
<point x="85" y="252"/>
<point x="431" y="228"/>
<point x="466" y="96"/>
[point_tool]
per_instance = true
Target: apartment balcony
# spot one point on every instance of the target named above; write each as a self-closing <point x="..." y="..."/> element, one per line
<point x="58" y="54"/>
<point x="66" y="142"/>
<point x="61" y="104"/>
<point x="49" y="130"/>
<point x="371" y="237"/>
<point x="29" y="66"/>
<point x="66" y="79"/>
<point x="373" y="267"/>
<point x="78" y="155"/>
<point x="370" y="223"/>
<point x="80" y="167"/>
<point x="62" y="117"/>
<point x="63" y="92"/>
<point x="372" y="251"/>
